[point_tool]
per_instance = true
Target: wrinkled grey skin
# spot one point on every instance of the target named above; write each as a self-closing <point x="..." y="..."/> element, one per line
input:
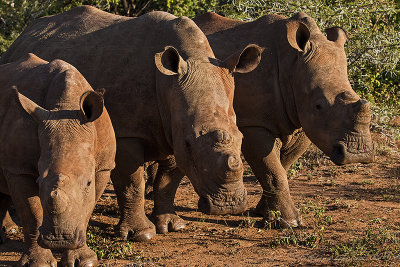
<point x="56" y="155"/>
<point x="300" y="90"/>
<point x="170" y="101"/>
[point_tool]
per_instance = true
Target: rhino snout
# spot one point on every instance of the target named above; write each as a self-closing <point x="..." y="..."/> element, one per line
<point x="50" y="240"/>
<point x="351" y="152"/>
<point x="58" y="202"/>
<point x="224" y="202"/>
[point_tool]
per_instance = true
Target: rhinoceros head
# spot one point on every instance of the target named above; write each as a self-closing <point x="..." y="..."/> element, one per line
<point x="204" y="135"/>
<point x="67" y="166"/>
<point x="332" y="115"/>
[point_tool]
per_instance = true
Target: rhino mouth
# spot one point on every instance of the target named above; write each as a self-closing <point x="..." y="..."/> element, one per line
<point x="222" y="203"/>
<point x="62" y="241"/>
<point x="353" y="148"/>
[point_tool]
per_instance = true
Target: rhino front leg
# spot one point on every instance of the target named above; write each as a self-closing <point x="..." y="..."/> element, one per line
<point x="129" y="185"/>
<point x="294" y="149"/>
<point x="262" y="152"/>
<point x="24" y="192"/>
<point x="7" y="224"/>
<point x="165" y="186"/>
<point x="151" y="171"/>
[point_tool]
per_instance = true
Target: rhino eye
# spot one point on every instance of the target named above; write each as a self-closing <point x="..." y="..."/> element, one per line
<point x="187" y="144"/>
<point x="320" y="104"/>
<point x="89" y="183"/>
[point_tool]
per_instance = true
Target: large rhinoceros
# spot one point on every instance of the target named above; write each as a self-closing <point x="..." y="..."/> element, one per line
<point x="300" y="89"/>
<point x="169" y="99"/>
<point x="57" y="149"/>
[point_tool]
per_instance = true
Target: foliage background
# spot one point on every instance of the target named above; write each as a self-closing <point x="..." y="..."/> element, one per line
<point x="372" y="26"/>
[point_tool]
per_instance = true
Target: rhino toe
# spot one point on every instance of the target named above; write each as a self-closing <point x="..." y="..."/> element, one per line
<point x="38" y="257"/>
<point x="82" y="257"/>
<point x="144" y="235"/>
<point x="168" y="223"/>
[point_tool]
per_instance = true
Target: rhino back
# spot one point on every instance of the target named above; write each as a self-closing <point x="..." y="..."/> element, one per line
<point x="116" y="53"/>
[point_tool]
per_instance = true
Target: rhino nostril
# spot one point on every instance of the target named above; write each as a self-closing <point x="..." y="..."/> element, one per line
<point x="222" y="136"/>
<point x="234" y="163"/>
<point x="54" y="193"/>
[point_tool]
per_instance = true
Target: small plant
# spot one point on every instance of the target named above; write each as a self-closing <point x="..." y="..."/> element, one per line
<point x="248" y="222"/>
<point x="291" y="238"/>
<point x="294" y="169"/>
<point x="247" y="171"/>
<point x="365" y="182"/>
<point x="334" y="172"/>
<point x="113" y="249"/>
<point x="376" y="244"/>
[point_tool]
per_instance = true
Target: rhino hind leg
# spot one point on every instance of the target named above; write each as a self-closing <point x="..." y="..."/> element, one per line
<point x="262" y="152"/>
<point x="151" y="172"/>
<point x="165" y="185"/>
<point x="83" y="256"/>
<point x="129" y="185"/>
<point x="24" y="192"/>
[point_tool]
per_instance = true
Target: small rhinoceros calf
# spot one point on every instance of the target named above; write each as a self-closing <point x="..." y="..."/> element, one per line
<point x="57" y="150"/>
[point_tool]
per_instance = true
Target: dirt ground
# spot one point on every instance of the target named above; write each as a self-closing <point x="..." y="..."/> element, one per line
<point x="351" y="216"/>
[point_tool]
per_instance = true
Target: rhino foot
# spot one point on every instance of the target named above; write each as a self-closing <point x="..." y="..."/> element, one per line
<point x="283" y="214"/>
<point x="9" y="225"/>
<point x="139" y="230"/>
<point x="37" y="257"/>
<point x="168" y="222"/>
<point x="82" y="257"/>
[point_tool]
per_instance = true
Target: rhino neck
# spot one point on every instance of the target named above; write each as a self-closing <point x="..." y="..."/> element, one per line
<point x="286" y="82"/>
<point x="163" y="84"/>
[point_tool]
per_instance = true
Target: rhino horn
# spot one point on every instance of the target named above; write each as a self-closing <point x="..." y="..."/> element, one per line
<point x="91" y="105"/>
<point x="245" y="60"/>
<point x="337" y="35"/>
<point x="38" y="113"/>
<point x="362" y="111"/>
<point x="169" y="62"/>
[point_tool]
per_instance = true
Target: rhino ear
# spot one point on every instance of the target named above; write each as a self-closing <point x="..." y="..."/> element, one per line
<point x="246" y="60"/>
<point x="91" y="105"/>
<point x="169" y="62"/>
<point x="38" y="113"/>
<point x="337" y="35"/>
<point x="298" y="35"/>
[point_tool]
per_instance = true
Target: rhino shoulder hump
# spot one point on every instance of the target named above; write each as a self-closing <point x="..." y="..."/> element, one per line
<point x="211" y="22"/>
<point x="159" y="16"/>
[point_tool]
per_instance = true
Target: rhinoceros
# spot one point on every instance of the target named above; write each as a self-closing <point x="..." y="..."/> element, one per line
<point x="169" y="98"/>
<point x="57" y="150"/>
<point x="299" y="92"/>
